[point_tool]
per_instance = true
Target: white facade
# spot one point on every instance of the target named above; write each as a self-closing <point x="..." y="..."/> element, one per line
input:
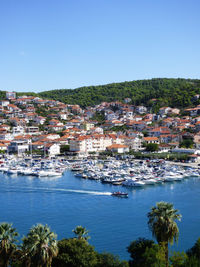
<point x="10" y="95"/>
<point x="53" y="136"/>
<point x="6" y="136"/>
<point x="54" y="149"/>
<point x="89" y="126"/>
<point x="63" y="116"/>
<point x="91" y="144"/>
<point x="165" y="110"/>
<point x="141" y="109"/>
<point x="18" y="147"/>
<point x="4" y="103"/>
<point x="32" y="129"/>
<point x="18" y="130"/>
<point x="40" y="120"/>
<point x="98" y="130"/>
<point x="133" y="143"/>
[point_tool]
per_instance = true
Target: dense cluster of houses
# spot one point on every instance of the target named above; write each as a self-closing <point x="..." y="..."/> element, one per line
<point x="25" y="128"/>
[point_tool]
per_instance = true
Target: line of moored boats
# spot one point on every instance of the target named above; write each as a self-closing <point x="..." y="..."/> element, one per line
<point x="44" y="168"/>
<point x="115" y="172"/>
<point x="133" y="174"/>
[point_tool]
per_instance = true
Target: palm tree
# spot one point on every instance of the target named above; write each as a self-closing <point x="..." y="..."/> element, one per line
<point x="40" y="246"/>
<point x="81" y="233"/>
<point x="7" y="243"/>
<point x="162" y="224"/>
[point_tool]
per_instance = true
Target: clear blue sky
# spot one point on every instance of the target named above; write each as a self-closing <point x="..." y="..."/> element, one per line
<point x="53" y="44"/>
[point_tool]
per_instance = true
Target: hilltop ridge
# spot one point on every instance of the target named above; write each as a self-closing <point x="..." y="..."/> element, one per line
<point x="172" y="92"/>
<point x="156" y="92"/>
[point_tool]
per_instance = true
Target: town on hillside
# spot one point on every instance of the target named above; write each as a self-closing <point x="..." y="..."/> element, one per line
<point x="30" y="125"/>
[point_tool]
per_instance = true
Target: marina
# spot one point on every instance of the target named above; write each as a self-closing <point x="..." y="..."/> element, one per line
<point x="129" y="173"/>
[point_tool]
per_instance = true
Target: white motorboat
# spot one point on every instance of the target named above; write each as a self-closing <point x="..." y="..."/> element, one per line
<point x="12" y="171"/>
<point x="149" y="181"/>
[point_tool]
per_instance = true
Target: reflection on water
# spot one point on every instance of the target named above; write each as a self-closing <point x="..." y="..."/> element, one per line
<point x="171" y="186"/>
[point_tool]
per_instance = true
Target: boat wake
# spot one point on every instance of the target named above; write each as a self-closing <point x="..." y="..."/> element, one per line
<point x="50" y="190"/>
<point x="83" y="192"/>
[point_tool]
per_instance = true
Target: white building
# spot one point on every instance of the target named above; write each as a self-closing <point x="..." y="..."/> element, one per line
<point x="89" y="125"/>
<point x="40" y="120"/>
<point x="85" y="144"/>
<point x="118" y="148"/>
<point x="133" y="143"/>
<point x="52" y="149"/>
<point x="4" y="103"/>
<point x="10" y="95"/>
<point x="141" y="109"/>
<point x="164" y="110"/>
<point x="6" y="136"/>
<point x="32" y="129"/>
<point x="18" y="130"/>
<point x="18" y="147"/>
<point x="63" y="116"/>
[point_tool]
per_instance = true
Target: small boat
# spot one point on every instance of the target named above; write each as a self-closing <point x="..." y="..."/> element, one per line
<point x="120" y="194"/>
<point x="12" y="171"/>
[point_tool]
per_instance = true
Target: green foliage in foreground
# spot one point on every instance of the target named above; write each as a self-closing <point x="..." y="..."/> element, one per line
<point x="162" y="223"/>
<point x="170" y="92"/>
<point x="145" y="252"/>
<point x="39" y="246"/>
<point x="75" y="252"/>
<point x="81" y="233"/>
<point x="178" y="259"/>
<point x="7" y="243"/>
<point x="41" y="249"/>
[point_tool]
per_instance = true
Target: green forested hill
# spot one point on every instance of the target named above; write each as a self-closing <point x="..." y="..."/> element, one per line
<point x="172" y="92"/>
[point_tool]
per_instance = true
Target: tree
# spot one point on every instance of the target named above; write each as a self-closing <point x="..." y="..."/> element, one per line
<point x="162" y="224"/>
<point x="145" y="252"/>
<point x="187" y="143"/>
<point x="40" y="246"/>
<point x="166" y="92"/>
<point x="178" y="259"/>
<point x="154" y="256"/>
<point x="145" y="133"/>
<point x="109" y="260"/>
<point x="75" y="252"/>
<point x="7" y="243"/>
<point x="81" y="233"/>
<point x="64" y="148"/>
<point x="137" y="249"/>
<point x="99" y="116"/>
<point x="152" y="147"/>
<point x="194" y="252"/>
<point x="191" y="262"/>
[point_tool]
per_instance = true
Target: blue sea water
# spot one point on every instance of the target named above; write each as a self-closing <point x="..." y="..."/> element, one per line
<point x="63" y="203"/>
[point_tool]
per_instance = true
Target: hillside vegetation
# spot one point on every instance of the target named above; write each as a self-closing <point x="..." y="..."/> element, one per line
<point x="163" y="91"/>
<point x="172" y="92"/>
